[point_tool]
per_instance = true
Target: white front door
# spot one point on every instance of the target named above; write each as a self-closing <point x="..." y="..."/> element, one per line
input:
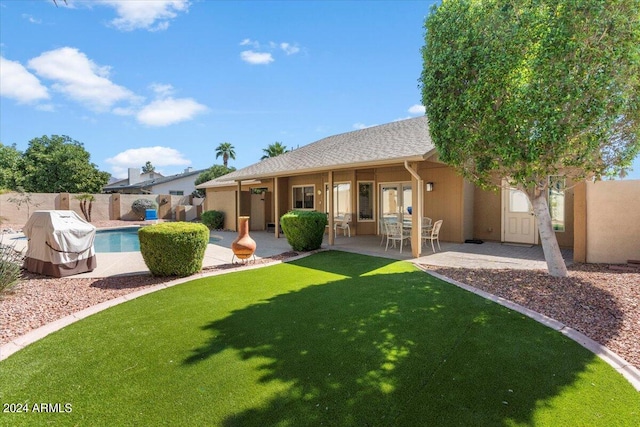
<point x="518" y="221"/>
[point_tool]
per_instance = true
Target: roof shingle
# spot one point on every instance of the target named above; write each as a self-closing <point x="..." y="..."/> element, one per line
<point x="392" y="142"/>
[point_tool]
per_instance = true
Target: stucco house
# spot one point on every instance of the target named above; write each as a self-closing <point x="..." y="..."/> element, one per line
<point x="393" y="170"/>
<point x="182" y="184"/>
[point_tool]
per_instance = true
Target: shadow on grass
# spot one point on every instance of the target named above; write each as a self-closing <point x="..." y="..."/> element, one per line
<point x="392" y="349"/>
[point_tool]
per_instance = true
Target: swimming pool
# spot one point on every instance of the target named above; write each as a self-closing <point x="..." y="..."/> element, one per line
<point x="123" y="240"/>
<point x="120" y="240"/>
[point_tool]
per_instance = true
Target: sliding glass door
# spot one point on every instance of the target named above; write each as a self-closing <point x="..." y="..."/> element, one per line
<point x="395" y="202"/>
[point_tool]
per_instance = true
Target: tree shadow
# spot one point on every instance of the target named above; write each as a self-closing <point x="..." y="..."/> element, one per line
<point x="391" y="349"/>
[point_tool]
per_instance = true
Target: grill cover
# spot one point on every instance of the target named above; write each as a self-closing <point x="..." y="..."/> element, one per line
<point x="60" y="243"/>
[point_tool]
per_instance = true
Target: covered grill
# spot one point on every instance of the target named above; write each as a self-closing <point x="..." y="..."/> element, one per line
<point x="60" y="243"/>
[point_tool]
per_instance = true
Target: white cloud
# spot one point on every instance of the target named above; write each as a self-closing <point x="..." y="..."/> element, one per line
<point x="289" y="49"/>
<point x="249" y="42"/>
<point x="31" y="19"/>
<point x="169" y="111"/>
<point x="136" y="157"/>
<point x="80" y="78"/>
<point x="256" y="57"/>
<point x="417" y="109"/>
<point x="152" y="15"/>
<point x="162" y="90"/>
<point x="16" y="82"/>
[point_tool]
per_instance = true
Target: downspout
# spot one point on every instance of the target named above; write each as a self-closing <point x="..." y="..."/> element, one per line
<point x="416" y="220"/>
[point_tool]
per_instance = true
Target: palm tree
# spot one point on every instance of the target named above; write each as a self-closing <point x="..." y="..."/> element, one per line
<point x="225" y="149"/>
<point x="273" y="150"/>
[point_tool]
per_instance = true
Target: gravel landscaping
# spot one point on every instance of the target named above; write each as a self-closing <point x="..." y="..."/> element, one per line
<point x="602" y="303"/>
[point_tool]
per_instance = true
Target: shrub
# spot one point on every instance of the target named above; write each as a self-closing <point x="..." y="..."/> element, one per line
<point x="10" y="266"/>
<point x="140" y="206"/>
<point x="304" y="229"/>
<point x="213" y="219"/>
<point x="173" y="248"/>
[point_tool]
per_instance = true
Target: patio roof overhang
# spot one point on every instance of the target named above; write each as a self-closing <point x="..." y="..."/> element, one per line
<point x="249" y="179"/>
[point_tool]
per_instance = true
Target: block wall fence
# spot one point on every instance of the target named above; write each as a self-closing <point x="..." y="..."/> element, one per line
<point x="105" y="206"/>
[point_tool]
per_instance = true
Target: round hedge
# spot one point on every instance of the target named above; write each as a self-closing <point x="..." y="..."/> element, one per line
<point x="173" y="248"/>
<point x="213" y="219"/>
<point x="304" y="229"/>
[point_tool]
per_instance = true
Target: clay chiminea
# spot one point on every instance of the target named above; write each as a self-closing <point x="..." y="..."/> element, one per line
<point x="244" y="246"/>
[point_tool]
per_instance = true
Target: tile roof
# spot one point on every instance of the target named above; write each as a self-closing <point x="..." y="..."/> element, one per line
<point x="150" y="182"/>
<point x="384" y="144"/>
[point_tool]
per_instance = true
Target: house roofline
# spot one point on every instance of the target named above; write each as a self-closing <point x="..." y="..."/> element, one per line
<point x="251" y="179"/>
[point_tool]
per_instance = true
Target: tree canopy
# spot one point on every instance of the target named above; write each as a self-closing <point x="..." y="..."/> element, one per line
<point x="213" y="172"/>
<point x="535" y="88"/>
<point x="274" y="150"/>
<point x="226" y="150"/>
<point x="10" y="167"/>
<point x="60" y="164"/>
<point x="148" y="167"/>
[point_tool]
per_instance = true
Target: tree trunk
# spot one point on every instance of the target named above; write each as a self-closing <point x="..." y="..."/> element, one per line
<point x="550" y="247"/>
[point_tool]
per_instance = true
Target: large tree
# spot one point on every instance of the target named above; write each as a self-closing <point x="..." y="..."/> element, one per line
<point x="60" y="164"/>
<point x="528" y="89"/>
<point x="213" y="172"/>
<point x="10" y="167"/>
<point x="274" y="150"/>
<point x="226" y="150"/>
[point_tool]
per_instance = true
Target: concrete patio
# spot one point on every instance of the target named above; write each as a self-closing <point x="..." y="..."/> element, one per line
<point x="486" y="255"/>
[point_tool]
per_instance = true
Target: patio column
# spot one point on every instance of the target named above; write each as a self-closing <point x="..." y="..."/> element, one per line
<point x="330" y="208"/>
<point x="276" y="207"/>
<point x="238" y="203"/>
<point x="417" y="209"/>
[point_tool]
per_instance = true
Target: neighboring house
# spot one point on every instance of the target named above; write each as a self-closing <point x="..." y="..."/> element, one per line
<point x="182" y="184"/>
<point x="392" y="170"/>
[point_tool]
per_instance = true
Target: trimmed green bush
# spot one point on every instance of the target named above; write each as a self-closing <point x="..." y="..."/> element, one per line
<point x="140" y="206"/>
<point x="213" y="219"/>
<point x="304" y="229"/>
<point x="173" y="248"/>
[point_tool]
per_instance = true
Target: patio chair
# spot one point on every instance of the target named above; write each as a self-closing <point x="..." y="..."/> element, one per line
<point x="343" y="225"/>
<point x="433" y="234"/>
<point x="396" y="232"/>
<point x="427" y="223"/>
<point x="383" y="230"/>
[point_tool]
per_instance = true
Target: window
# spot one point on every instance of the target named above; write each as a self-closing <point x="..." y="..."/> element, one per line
<point x="556" y="202"/>
<point x="365" y="201"/>
<point x="303" y="197"/>
<point x="176" y="193"/>
<point x="341" y="198"/>
<point x="518" y="201"/>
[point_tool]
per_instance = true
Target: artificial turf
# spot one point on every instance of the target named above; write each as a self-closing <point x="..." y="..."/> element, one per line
<point x="332" y="339"/>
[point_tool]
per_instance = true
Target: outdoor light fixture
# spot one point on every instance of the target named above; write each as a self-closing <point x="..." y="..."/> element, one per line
<point x="429" y="186"/>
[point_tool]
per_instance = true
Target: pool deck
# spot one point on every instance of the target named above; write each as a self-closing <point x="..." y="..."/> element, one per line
<point x="487" y="255"/>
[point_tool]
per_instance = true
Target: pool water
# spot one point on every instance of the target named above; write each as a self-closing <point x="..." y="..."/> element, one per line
<point x="122" y="240"/>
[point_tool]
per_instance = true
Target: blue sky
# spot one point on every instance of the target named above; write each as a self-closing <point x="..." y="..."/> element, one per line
<point x="167" y="81"/>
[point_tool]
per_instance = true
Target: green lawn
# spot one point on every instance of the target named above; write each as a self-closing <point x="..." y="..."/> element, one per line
<point x="332" y="339"/>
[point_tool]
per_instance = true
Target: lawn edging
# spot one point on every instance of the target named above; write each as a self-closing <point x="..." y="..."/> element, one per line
<point x="30" y="337"/>
<point x="626" y="369"/>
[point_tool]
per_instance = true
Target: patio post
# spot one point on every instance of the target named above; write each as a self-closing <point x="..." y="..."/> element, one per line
<point x="276" y="207"/>
<point x="416" y="202"/>
<point x="238" y="203"/>
<point x="330" y="208"/>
